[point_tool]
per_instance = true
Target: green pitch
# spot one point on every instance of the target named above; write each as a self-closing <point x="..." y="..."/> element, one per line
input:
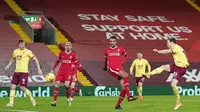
<point x="103" y="104"/>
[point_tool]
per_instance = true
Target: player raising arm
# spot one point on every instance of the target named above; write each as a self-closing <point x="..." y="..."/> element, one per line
<point x="113" y="63"/>
<point x="22" y="56"/>
<point x="140" y="64"/>
<point x="178" y="67"/>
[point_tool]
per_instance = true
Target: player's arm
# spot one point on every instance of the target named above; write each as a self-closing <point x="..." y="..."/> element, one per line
<point x="105" y="60"/>
<point x="79" y="66"/>
<point x="12" y="60"/>
<point x="37" y="64"/>
<point x="148" y="66"/>
<point x="56" y="63"/>
<point x="132" y="67"/>
<point x="164" y="51"/>
<point x="77" y="63"/>
<point x="125" y="54"/>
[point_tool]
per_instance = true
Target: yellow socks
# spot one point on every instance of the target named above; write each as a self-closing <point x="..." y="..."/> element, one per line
<point x="176" y="93"/>
<point x="28" y="93"/>
<point x="12" y="96"/>
<point x="157" y="71"/>
<point x="139" y="90"/>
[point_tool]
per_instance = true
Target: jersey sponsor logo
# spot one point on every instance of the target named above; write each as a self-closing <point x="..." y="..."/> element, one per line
<point x="19" y="57"/>
<point x="140" y="66"/>
<point x="113" y="54"/>
<point x="190" y="76"/>
<point x="66" y="61"/>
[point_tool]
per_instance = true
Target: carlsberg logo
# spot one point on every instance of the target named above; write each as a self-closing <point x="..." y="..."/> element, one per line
<point x="108" y="91"/>
<point x="191" y="91"/>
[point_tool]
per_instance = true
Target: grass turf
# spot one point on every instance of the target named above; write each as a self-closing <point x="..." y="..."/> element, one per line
<point x="103" y="104"/>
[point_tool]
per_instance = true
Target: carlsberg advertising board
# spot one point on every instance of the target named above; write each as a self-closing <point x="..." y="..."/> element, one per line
<point x="108" y="91"/>
<point x="99" y="91"/>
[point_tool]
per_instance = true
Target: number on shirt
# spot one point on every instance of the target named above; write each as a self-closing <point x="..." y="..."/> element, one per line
<point x="23" y="81"/>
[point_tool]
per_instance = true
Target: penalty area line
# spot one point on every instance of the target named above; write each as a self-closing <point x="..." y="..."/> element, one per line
<point x="10" y="110"/>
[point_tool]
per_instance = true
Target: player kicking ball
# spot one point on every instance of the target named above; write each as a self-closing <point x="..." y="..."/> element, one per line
<point x="113" y="63"/>
<point x="67" y="59"/>
<point x="178" y="67"/>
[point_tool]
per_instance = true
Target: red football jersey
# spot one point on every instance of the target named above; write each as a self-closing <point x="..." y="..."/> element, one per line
<point x="67" y="60"/>
<point x="114" y="56"/>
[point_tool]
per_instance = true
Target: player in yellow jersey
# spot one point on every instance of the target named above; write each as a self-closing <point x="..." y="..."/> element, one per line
<point x="140" y="64"/>
<point x="22" y="56"/>
<point x="178" y="68"/>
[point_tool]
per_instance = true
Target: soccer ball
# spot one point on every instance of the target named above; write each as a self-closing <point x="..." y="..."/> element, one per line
<point x="50" y="77"/>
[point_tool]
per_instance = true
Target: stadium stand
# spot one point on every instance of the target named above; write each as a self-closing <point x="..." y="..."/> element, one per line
<point x="8" y="42"/>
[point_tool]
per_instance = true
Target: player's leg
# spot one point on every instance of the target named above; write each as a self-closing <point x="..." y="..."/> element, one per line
<point x="78" y="91"/>
<point x="176" y="93"/>
<point x="12" y="95"/>
<point x="23" y="85"/>
<point x="67" y="85"/>
<point x="158" y="70"/>
<point x="59" y="79"/>
<point x="139" y="90"/>
<point x="178" y="73"/>
<point x="28" y="94"/>
<point x="55" y="92"/>
<point x="72" y="87"/>
<point x="121" y="95"/>
<point x="15" y="81"/>
<point x="125" y="85"/>
<point x="67" y="89"/>
<point x="139" y="83"/>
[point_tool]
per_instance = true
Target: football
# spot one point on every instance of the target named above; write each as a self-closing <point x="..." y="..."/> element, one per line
<point x="50" y="77"/>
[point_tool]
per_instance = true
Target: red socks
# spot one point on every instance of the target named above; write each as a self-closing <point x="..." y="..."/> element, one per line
<point x="56" y="93"/>
<point x="126" y="86"/>
<point x="121" y="97"/>
<point x="67" y="92"/>
<point x="72" y="92"/>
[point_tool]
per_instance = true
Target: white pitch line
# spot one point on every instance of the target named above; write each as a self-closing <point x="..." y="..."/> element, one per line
<point x="9" y="110"/>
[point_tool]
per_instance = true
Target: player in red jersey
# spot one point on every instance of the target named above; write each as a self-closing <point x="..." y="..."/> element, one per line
<point x="78" y="66"/>
<point x="67" y="59"/>
<point x="113" y="63"/>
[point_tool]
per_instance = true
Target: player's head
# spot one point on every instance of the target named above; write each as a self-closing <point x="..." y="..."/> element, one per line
<point x="113" y="41"/>
<point x="171" y="42"/>
<point x="139" y="55"/>
<point x="68" y="46"/>
<point x="21" y="44"/>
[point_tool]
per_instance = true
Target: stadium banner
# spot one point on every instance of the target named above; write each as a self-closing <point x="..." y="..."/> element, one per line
<point x="102" y="91"/>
